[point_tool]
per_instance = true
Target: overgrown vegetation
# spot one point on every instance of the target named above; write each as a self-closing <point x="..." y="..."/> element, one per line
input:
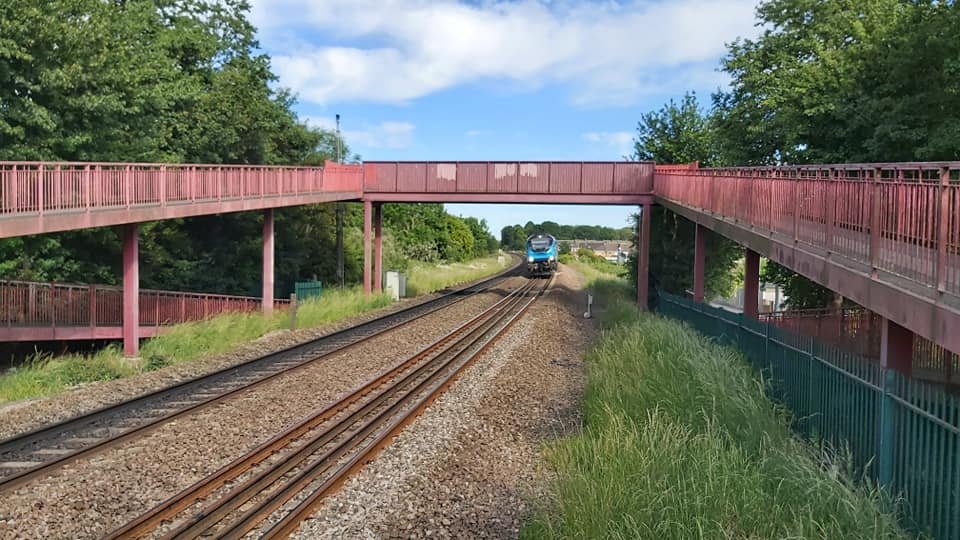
<point x="679" y="441"/>
<point x="587" y="261"/>
<point x="45" y="374"/>
<point x="424" y="278"/>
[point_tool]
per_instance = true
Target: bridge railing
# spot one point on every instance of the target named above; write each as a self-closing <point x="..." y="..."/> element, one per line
<point x="31" y="304"/>
<point x="858" y="330"/>
<point x="902" y="218"/>
<point x="40" y="187"/>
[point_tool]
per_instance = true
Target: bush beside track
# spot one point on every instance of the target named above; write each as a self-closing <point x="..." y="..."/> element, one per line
<point x="680" y="441"/>
<point x="45" y="375"/>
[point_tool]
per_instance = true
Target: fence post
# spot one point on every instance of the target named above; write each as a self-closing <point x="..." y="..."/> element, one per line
<point x="796" y="208"/>
<point x="875" y="225"/>
<point x="293" y="311"/>
<point x="887" y="429"/>
<point x="830" y="200"/>
<point x="92" y="304"/>
<point x="943" y="225"/>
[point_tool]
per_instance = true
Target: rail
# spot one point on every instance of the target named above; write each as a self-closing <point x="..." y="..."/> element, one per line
<point x="31" y="304"/>
<point x="901" y="218"/>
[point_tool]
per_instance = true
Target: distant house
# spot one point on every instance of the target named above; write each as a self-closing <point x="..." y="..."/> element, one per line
<point x="612" y="250"/>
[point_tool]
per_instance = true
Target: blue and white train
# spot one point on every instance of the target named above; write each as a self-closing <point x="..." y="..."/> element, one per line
<point x="541" y="255"/>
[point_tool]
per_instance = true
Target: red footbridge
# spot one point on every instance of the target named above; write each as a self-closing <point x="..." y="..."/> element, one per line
<point x="885" y="235"/>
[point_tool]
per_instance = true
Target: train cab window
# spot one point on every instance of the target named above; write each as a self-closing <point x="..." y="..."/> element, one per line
<point x="540" y="244"/>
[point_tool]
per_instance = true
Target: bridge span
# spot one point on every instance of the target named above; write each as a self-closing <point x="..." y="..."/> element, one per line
<point x="885" y="235"/>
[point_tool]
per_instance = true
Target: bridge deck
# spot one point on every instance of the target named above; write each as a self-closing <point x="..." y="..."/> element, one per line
<point x="886" y="236"/>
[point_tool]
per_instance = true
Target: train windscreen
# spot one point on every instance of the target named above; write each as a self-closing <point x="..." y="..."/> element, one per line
<point x="539" y="244"/>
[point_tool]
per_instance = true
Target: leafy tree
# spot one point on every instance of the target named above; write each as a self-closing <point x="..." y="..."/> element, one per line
<point x="676" y="134"/>
<point x="681" y="134"/>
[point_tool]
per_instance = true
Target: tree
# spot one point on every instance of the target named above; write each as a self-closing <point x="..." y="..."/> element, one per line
<point x="681" y="134"/>
<point x="675" y="134"/>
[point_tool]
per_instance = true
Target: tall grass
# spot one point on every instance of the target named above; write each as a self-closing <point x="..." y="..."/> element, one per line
<point x="45" y="374"/>
<point x="680" y="441"/>
<point x="424" y="278"/>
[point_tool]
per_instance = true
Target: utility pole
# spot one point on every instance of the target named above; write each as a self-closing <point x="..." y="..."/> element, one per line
<point x="340" y="279"/>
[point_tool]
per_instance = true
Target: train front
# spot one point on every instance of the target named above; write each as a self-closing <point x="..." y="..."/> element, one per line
<point x="541" y="255"/>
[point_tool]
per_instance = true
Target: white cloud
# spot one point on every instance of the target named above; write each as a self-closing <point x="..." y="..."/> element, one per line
<point x="394" y="51"/>
<point x="393" y="135"/>
<point x="621" y="141"/>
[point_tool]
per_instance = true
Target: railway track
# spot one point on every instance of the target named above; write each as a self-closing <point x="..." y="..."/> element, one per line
<point x="272" y="488"/>
<point x="40" y="452"/>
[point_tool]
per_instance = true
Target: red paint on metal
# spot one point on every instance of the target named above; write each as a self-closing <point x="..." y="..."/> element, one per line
<point x="37" y="197"/>
<point x="516" y="198"/>
<point x="643" y="259"/>
<point x="896" y="347"/>
<point x="502" y="178"/>
<point x="411" y="177"/>
<point x="751" y="284"/>
<point x="566" y="177"/>
<point x="131" y="290"/>
<point x="699" y="263"/>
<point x="533" y="177"/>
<point x="890" y="216"/>
<point x="367" y="248"/>
<point x="378" y="248"/>
<point x="472" y="177"/>
<point x="597" y="178"/>
<point x="268" y="262"/>
<point x="55" y="309"/>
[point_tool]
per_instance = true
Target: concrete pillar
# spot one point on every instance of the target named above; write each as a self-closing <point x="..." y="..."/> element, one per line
<point x="378" y="248"/>
<point x="131" y="290"/>
<point x="699" y="263"/>
<point x="267" y="292"/>
<point x="643" y="258"/>
<point x="367" y="248"/>
<point x="751" y="284"/>
<point x="896" y="347"/>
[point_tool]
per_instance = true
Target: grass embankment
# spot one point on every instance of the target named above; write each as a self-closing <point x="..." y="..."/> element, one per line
<point x="45" y="374"/>
<point x="680" y="441"/>
<point x="424" y="278"/>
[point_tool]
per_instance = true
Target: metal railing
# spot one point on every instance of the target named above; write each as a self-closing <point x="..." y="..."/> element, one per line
<point x="42" y="187"/>
<point x="31" y="304"/>
<point x="858" y="330"/>
<point x="903" y="433"/>
<point x="902" y="218"/>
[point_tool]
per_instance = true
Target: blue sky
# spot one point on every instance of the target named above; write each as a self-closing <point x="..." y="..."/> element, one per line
<point x="497" y="80"/>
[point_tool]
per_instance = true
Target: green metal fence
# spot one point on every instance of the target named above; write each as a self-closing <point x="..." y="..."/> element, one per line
<point x="903" y="433"/>
<point x="307" y="289"/>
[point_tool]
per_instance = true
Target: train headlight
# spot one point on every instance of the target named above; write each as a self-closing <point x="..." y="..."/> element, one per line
<point x="530" y="259"/>
<point x="552" y="258"/>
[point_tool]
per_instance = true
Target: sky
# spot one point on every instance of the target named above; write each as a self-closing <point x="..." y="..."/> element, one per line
<point x="497" y="80"/>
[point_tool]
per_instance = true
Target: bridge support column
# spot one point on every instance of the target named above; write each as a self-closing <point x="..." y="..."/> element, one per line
<point x="268" y="266"/>
<point x="367" y="226"/>
<point x="699" y="263"/>
<point x="751" y="284"/>
<point x="378" y="248"/>
<point x="643" y="258"/>
<point x="131" y="290"/>
<point x="896" y="347"/>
